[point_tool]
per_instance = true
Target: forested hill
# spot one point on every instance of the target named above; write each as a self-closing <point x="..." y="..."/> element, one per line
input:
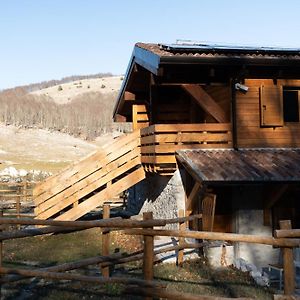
<point x="87" y="114"/>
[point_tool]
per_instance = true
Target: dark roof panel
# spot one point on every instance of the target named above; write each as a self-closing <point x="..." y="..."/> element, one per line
<point x="245" y="165"/>
<point x="220" y="51"/>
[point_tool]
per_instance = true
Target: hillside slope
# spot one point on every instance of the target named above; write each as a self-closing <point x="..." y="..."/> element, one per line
<point x="40" y="149"/>
<point x="65" y="93"/>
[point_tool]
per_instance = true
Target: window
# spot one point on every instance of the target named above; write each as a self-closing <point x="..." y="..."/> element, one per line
<point x="291" y="104"/>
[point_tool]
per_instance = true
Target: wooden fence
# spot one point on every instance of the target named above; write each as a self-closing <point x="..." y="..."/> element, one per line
<point x="16" y="198"/>
<point x="286" y="238"/>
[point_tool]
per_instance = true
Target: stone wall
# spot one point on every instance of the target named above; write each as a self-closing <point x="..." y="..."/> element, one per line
<point x="162" y="195"/>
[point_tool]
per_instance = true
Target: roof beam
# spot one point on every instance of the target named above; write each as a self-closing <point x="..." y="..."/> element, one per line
<point x="207" y="103"/>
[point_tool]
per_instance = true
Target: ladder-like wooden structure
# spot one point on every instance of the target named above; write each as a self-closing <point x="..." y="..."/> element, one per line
<point x="90" y="182"/>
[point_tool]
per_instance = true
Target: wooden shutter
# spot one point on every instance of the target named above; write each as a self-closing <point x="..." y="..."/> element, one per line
<point x="271" y="106"/>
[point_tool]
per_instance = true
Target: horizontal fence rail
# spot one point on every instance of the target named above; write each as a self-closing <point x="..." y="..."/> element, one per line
<point x="147" y="287"/>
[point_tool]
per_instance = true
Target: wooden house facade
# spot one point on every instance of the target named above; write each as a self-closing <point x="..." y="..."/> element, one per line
<point x="229" y="119"/>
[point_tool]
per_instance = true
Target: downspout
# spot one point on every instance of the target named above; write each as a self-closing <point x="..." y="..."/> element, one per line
<point x="233" y="114"/>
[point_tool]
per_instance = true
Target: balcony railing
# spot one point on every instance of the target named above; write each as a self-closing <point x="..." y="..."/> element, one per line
<point x="160" y="142"/>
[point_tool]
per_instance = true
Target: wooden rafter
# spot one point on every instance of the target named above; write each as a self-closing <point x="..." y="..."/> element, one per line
<point x="207" y="103"/>
<point x="128" y="96"/>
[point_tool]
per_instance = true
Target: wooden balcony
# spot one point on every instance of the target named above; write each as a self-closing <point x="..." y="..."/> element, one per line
<point x="160" y="142"/>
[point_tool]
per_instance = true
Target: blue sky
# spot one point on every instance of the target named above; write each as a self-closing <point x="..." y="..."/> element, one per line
<point x="50" y="39"/>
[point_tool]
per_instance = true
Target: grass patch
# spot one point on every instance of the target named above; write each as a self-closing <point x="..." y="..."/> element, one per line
<point x="199" y="278"/>
<point x="54" y="248"/>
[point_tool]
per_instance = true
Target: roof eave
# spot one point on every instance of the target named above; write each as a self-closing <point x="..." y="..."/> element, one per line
<point x="144" y="58"/>
<point x="235" y="60"/>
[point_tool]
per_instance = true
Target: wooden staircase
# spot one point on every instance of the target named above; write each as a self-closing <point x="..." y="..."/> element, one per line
<point x="90" y="182"/>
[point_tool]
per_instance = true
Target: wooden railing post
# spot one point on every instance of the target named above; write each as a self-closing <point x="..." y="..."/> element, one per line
<point x="182" y="226"/>
<point x="105" y="240"/>
<point x="148" y="258"/>
<point x="288" y="263"/>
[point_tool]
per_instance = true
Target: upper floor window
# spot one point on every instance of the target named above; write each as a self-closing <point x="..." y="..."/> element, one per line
<point x="291" y="104"/>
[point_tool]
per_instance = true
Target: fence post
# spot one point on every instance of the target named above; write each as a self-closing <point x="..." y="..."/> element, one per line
<point x="1" y="251"/>
<point x="288" y="263"/>
<point x="105" y="240"/>
<point x="182" y="226"/>
<point x="148" y="258"/>
<point x="19" y="195"/>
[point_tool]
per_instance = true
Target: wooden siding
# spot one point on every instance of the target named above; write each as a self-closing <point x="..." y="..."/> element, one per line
<point x="250" y="133"/>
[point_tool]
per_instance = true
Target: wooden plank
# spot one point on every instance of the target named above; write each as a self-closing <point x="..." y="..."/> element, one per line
<point x="105" y="241"/>
<point x="192" y="127"/>
<point x="186" y="138"/>
<point x="142" y="118"/>
<point x="83" y="164"/>
<point x="269" y="135"/>
<point x="137" y="116"/>
<point x="218" y="236"/>
<point x="191" y="137"/>
<point x="163" y="159"/>
<point x="99" y="198"/>
<point x="97" y="179"/>
<point x="85" y="171"/>
<point x="66" y="173"/>
<point x="185" y="128"/>
<point x="63" y="186"/>
<point x="141" y="109"/>
<point x="65" y="202"/>
<point x="207" y="103"/>
<point x="148" y="258"/>
<point x="128" y="96"/>
<point x="276" y="143"/>
<point x="182" y="226"/>
<point x="288" y="263"/>
<point x="160" y="149"/>
<point x="270" y="82"/>
<point x="287" y="233"/>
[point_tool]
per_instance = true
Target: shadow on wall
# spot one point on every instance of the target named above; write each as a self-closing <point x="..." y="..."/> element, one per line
<point x="163" y="195"/>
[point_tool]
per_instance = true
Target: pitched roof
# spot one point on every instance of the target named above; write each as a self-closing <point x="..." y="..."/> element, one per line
<point x="152" y="57"/>
<point x="220" y="51"/>
<point x="246" y="165"/>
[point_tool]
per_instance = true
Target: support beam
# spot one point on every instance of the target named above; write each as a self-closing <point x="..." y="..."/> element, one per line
<point x="189" y="201"/>
<point x="129" y="96"/>
<point x="207" y="103"/>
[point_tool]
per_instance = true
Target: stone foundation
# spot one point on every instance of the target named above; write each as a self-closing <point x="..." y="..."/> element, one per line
<point x="162" y="195"/>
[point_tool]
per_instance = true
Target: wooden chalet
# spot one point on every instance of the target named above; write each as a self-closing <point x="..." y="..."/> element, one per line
<point x="229" y="115"/>
<point x="226" y="117"/>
